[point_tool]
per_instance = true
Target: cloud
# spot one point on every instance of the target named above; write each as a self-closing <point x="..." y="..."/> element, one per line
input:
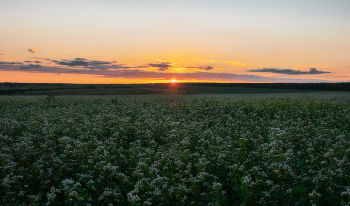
<point x="2" y="54"/>
<point x="205" y="68"/>
<point x="145" y="66"/>
<point x="40" y="58"/>
<point x="100" y="62"/>
<point x="31" y="66"/>
<point x="162" y="65"/>
<point x="315" y="71"/>
<point x="119" y="66"/>
<point x="10" y="63"/>
<point x="32" y="50"/>
<point x="288" y="71"/>
<point x="81" y="62"/>
<point x="73" y="63"/>
<point x="195" y="67"/>
<point x="208" y="68"/>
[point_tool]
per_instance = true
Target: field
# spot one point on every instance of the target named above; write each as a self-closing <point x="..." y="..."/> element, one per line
<point x="266" y="149"/>
<point x="136" y="89"/>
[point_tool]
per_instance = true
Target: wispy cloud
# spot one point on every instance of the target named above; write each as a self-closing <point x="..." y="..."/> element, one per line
<point x="193" y="67"/>
<point x="204" y="68"/>
<point x="10" y="63"/>
<point x="162" y="64"/>
<point x="47" y="59"/>
<point x="81" y="62"/>
<point x="32" y="50"/>
<point x="208" y="68"/>
<point x="2" y="54"/>
<point x="288" y="71"/>
<point x="31" y="66"/>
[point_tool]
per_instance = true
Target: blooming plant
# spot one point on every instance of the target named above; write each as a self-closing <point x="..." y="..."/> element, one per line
<point x="175" y="150"/>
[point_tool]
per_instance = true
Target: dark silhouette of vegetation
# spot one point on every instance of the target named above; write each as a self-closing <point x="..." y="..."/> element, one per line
<point x="343" y="86"/>
<point x="8" y="88"/>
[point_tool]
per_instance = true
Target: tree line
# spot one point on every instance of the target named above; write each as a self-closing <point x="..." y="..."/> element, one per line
<point x="343" y="86"/>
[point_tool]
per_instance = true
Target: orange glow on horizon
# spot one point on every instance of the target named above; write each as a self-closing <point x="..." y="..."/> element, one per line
<point x="38" y="77"/>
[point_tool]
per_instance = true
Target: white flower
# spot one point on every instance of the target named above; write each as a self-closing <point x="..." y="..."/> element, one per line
<point x="133" y="198"/>
<point x="216" y="185"/>
<point x="314" y="194"/>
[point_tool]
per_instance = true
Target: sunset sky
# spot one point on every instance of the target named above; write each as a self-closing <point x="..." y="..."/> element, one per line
<point x="147" y="41"/>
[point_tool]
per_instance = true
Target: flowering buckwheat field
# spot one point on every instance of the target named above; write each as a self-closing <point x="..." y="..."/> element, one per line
<point x="175" y="150"/>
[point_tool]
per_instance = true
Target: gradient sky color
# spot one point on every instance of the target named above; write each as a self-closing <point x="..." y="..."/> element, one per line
<point x="147" y="41"/>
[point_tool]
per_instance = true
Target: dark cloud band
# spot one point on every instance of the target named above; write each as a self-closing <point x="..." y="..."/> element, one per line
<point x="81" y="62"/>
<point x="205" y="68"/>
<point x="10" y="63"/>
<point x="31" y="66"/>
<point x="288" y="71"/>
<point x="162" y="65"/>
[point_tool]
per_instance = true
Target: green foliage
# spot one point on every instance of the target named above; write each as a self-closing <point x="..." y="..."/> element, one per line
<point x="171" y="150"/>
<point x="115" y="100"/>
<point x="50" y="98"/>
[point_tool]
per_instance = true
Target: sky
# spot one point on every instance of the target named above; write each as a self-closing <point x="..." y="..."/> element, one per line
<point x="149" y="41"/>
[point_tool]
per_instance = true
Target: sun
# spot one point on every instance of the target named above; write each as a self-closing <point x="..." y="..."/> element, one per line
<point x="173" y="80"/>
